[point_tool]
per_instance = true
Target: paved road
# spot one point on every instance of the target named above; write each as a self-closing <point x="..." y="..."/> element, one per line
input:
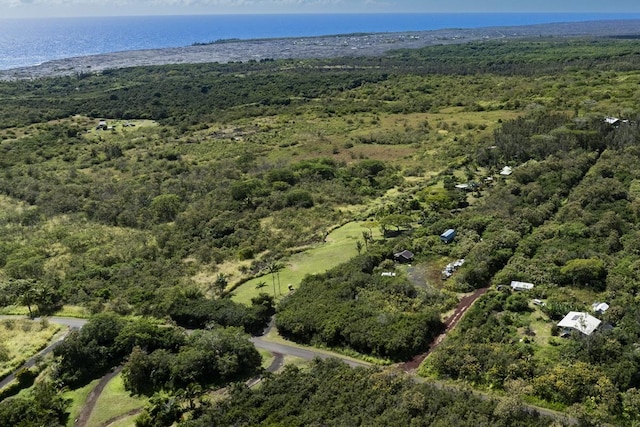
<point x="302" y="353"/>
<point x="71" y="323"/>
<point x="279" y="350"/>
<point x="259" y="342"/>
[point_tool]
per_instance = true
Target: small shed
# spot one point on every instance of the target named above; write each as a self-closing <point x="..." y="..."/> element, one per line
<point x="102" y="125"/>
<point x="506" y="171"/>
<point x="521" y="286"/>
<point x="448" y="236"/>
<point x="404" y="256"/>
<point x="578" y="321"/>
<point x="599" y="307"/>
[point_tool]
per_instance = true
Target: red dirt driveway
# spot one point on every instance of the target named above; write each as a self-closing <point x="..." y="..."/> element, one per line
<point x="450" y="323"/>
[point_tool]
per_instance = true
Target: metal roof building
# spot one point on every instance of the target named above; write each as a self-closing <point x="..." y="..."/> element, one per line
<point x="581" y="322"/>
<point x="521" y="286"/>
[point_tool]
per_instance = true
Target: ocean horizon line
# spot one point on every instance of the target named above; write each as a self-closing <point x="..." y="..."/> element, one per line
<point x="618" y="15"/>
<point x="28" y="42"/>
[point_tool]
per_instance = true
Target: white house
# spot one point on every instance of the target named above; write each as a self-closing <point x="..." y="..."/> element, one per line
<point x="521" y="286"/>
<point x="578" y="321"/>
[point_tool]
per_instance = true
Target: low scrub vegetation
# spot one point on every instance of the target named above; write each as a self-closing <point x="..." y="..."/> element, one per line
<point x="233" y="167"/>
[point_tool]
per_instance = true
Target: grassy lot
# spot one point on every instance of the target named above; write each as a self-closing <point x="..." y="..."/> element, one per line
<point x="267" y="358"/>
<point x="21" y="339"/>
<point x="549" y="348"/>
<point x="340" y="246"/>
<point x="116" y="128"/>
<point x="129" y="421"/>
<point x="113" y="402"/>
<point x="78" y="397"/>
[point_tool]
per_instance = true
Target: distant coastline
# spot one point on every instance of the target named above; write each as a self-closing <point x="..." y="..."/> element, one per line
<point x="29" y="42"/>
<point x="351" y="45"/>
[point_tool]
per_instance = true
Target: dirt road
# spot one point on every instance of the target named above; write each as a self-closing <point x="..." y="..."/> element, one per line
<point x="450" y="323"/>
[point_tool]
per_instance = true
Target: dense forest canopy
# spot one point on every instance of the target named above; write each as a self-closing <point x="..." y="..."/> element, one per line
<point x="159" y="191"/>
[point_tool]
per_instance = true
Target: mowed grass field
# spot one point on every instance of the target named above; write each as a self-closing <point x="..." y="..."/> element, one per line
<point x="78" y="397"/>
<point x="114" y="402"/>
<point x="339" y="247"/>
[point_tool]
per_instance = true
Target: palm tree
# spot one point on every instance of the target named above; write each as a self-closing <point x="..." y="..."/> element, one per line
<point x="274" y="268"/>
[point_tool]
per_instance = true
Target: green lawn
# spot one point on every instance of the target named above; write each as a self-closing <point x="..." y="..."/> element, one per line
<point x="340" y="246"/>
<point x="125" y="422"/>
<point x="78" y="398"/>
<point x="114" y="401"/>
<point x="267" y="358"/>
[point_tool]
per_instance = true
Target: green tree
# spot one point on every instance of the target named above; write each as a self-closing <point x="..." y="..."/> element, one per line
<point x="43" y="406"/>
<point x="589" y="272"/>
<point x="145" y="374"/>
<point x="162" y="410"/>
<point x="165" y="207"/>
<point x="33" y="294"/>
<point x="220" y="284"/>
<point x="274" y="268"/>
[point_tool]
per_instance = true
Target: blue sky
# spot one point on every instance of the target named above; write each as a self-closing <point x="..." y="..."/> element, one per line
<point x="50" y="8"/>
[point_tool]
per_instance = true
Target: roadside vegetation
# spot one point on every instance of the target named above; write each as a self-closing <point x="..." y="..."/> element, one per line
<point x="20" y="340"/>
<point x="207" y="186"/>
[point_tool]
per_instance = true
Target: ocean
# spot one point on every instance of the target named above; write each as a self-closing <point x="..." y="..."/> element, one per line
<point x="25" y="42"/>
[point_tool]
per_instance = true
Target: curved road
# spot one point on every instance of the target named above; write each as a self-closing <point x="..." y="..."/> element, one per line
<point x="259" y="342"/>
<point x="279" y="350"/>
<point x="71" y="323"/>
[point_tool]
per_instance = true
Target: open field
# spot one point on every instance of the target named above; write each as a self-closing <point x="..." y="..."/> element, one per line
<point x="78" y="398"/>
<point x="21" y="339"/>
<point x="114" y="401"/>
<point x="339" y="247"/>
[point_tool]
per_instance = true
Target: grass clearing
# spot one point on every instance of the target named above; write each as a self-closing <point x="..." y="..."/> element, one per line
<point x="296" y="361"/>
<point x="267" y="358"/>
<point x="113" y="402"/>
<point x="339" y="247"/>
<point x="78" y="397"/>
<point x="549" y="348"/>
<point x="129" y="421"/>
<point x="74" y="311"/>
<point x="116" y="128"/>
<point x="22" y="338"/>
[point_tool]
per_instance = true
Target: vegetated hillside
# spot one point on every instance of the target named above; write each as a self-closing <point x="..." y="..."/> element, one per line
<point x="331" y="393"/>
<point x="568" y="222"/>
<point x="207" y="174"/>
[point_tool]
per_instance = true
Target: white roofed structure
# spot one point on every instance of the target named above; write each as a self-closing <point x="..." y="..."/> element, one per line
<point x="600" y="307"/>
<point x="521" y="286"/>
<point x="581" y="322"/>
<point x="506" y="171"/>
